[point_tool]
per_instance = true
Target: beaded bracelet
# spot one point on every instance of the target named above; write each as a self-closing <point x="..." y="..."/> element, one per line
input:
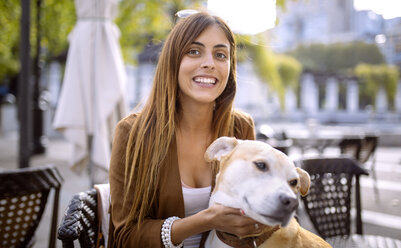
<point x="166" y="233"/>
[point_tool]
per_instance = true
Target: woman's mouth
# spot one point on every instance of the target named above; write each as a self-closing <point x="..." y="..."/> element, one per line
<point x="205" y="80"/>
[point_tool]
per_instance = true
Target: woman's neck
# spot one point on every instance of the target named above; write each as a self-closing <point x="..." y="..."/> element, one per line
<point x="196" y="119"/>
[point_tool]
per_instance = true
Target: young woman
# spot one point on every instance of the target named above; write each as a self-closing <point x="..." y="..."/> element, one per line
<point x="160" y="183"/>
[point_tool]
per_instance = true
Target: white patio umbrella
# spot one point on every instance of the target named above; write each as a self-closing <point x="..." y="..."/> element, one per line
<point x="92" y="96"/>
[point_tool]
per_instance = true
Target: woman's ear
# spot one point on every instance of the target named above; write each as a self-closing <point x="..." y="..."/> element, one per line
<point x="219" y="148"/>
<point x="304" y="179"/>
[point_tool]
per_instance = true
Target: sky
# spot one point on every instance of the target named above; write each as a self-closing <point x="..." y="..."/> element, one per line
<point x="245" y="17"/>
<point x="388" y="8"/>
<point x="255" y="16"/>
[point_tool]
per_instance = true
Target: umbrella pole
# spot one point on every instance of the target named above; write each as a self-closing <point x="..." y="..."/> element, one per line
<point x="25" y="88"/>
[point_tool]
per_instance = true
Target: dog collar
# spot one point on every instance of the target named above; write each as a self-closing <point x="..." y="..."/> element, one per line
<point x="249" y="242"/>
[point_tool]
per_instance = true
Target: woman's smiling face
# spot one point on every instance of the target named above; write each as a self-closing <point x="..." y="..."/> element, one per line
<point x="205" y="67"/>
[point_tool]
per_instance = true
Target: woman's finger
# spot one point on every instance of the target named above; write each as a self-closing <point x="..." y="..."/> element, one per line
<point x="226" y="210"/>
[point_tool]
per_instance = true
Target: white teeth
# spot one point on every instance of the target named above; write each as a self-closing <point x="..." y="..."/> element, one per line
<point x="205" y="80"/>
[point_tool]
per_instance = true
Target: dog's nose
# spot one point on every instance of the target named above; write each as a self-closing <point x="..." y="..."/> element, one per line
<point x="290" y="203"/>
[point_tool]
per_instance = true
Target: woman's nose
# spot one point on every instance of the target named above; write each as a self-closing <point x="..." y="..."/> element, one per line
<point x="208" y="62"/>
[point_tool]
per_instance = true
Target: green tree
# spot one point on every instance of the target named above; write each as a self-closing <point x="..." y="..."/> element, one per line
<point x="264" y="63"/>
<point x="57" y="20"/>
<point x="289" y="69"/>
<point x="145" y="21"/>
<point x="278" y="70"/>
<point x="374" y="77"/>
<point x="10" y="13"/>
<point x="337" y="58"/>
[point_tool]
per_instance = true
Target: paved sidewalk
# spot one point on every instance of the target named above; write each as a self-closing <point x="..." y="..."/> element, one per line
<point x="380" y="217"/>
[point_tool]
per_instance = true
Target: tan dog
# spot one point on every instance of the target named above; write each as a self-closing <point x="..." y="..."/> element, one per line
<point x="264" y="183"/>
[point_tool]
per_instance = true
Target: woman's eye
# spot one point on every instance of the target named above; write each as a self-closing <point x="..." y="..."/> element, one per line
<point x="193" y="52"/>
<point x="221" y="56"/>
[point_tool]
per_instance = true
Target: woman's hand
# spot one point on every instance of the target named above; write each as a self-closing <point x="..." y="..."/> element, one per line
<point x="218" y="217"/>
<point x="232" y="220"/>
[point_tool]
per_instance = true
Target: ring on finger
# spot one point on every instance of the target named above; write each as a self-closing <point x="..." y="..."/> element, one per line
<point x="256" y="226"/>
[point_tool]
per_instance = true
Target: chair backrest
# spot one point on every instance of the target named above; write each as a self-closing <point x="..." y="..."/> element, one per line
<point x="80" y="221"/>
<point x="360" y="148"/>
<point x="368" y="148"/>
<point x="104" y="200"/>
<point x="328" y="202"/>
<point x="23" y="198"/>
<point x="351" y="146"/>
<point x="281" y="145"/>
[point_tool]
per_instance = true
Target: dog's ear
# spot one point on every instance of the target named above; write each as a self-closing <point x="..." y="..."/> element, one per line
<point x="219" y="148"/>
<point x="304" y="179"/>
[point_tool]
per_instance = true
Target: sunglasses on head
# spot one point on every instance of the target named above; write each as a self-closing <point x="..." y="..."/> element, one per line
<point x="185" y="13"/>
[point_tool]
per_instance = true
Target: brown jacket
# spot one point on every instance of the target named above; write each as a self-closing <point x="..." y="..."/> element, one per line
<point x="169" y="200"/>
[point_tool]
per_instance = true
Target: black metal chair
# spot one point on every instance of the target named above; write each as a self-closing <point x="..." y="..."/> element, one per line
<point x="351" y="146"/>
<point x="278" y="140"/>
<point x="281" y="145"/>
<point x="368" y="149"/>
<point x="23" y="198"/>
<point x="363" y="150"/>
<point x="80" y="221"/>
<point x="328" y="203"/>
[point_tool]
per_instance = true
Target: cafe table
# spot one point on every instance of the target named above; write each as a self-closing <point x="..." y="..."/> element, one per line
<point x="320" y="139"/>
<point x="364" y="241"/>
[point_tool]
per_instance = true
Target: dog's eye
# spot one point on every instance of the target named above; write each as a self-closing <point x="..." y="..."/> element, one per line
<point x="294" y="182"/>
<point x="261" y="165"/>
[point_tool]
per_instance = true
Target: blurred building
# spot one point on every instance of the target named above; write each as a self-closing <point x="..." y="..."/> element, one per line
<point x="313" y="21"/>
<point x="317" y="21"/>
<point x="333" y="98"/>
<point x="390" y="41"/>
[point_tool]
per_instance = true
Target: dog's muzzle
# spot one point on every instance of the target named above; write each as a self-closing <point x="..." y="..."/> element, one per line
<point x="289" y="203"/>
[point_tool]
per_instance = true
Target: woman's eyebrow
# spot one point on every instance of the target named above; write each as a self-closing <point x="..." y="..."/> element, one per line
<point x="202" y="45"/>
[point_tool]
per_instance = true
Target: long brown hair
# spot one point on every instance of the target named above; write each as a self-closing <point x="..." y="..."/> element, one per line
<point x="154" y="128"/>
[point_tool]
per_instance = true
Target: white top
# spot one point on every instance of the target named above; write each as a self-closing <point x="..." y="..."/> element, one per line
<point x="195" y="200"/>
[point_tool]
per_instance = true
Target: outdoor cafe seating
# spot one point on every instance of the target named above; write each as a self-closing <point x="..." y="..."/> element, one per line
<point x="355" y="143"/>
<point x="278" y="140"/>
<point x="328" y="204"/>
<point x="334" y="191"/>
<point x="80" y="221"/>
<point x="86" y="219"/>
<point x="329" y="200"/>
<point x="23" y="199"/>
<point x="363" y="149"/>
